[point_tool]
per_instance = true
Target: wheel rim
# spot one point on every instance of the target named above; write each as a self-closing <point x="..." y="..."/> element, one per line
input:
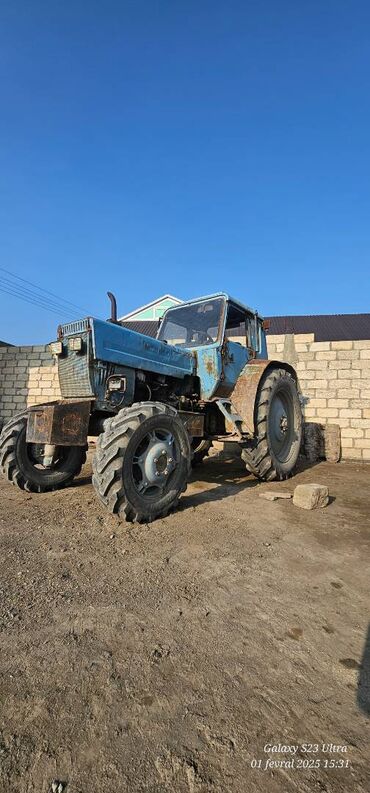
<point x="35" y="454"/>
<point x="281" y="425"/>
<point x="154" y="462"/>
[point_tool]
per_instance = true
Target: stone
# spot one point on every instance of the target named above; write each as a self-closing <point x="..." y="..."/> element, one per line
<point x="311" y="496"/>
<point x="332" y="442"/>
<point x="273" y="495"/>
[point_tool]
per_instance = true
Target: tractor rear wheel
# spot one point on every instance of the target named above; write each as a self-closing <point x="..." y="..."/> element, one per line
<point x="200" y="449"/>
<point x="22" y="462"/>
<point x="278" y="423"/>
<point x="142" y="462"/>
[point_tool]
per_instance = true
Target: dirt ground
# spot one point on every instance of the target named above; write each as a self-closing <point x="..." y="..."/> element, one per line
<point x="170" y="657"/>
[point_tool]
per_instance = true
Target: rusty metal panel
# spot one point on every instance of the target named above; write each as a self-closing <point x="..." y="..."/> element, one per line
<point x="194" y="422"/>
<point x="243" y="395"/>
<point x="59" y="424"/>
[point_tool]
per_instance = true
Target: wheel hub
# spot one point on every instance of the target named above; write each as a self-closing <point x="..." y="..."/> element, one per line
<point x="155" y="460"/>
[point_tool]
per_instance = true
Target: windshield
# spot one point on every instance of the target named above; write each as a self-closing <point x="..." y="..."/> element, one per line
<point x="192" y="325"/>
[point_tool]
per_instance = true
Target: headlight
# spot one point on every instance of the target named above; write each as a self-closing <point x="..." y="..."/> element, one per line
<point x="75" y="343"/>
<point x="56" y="347"/>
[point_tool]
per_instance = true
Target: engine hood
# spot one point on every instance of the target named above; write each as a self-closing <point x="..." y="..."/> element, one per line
<point x="120" y="345"/>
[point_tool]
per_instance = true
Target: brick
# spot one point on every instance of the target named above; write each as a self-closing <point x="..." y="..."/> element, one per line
<point x="364" y="365"/>
<point x="339" y="364"/>
<point x="352" y="432"/>
<point x="345" y="374"/>
<point x="305" y="338"/>
<point x="306" y="356"/>
<point x="317" y="365"/>
<point x="338" y="403"/>
<point x="359" y="403"/>
<point x="309" y="412"/>
<point x="342" y="422"/>
<point x="350" y="413"/>
<point x="365" y="394"/>
<point x="352" y="454"/>
<point x="275" y="338"/>
<point x="347" y="355"/>
<point x="329" y="413"/>
<point x="366" y="454"/>
<point x="326" y="356"/>
<point x="362" y="345"/>
<point x="362" y="443"/>
<point x="366" y="413"/>
<point x="346" y="443"/>
<point x="301" y="347"/>
<point x="348" y="393"/>
<point x="341" y="345"/>
<point x="365" y="354"/>
<point x="317" y="403"/>
<point x="318" y="346"/>
<point x="361" y="423"/>
<point x="38" y="348"/>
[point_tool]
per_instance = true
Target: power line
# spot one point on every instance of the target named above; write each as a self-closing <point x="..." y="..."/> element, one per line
<point x="24" y="291"/>
<point x="41" y="289"/>
<point x="32" y="302"/>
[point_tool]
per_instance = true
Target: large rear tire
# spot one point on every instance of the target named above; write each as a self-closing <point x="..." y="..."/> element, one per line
<point x="20" y="462"/>
<point x="200" y="449"/>
<point x="278" y="423"/>
<point x="142" y="462"/>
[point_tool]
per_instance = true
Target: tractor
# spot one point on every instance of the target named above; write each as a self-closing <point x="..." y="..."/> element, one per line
<point x="156" y="405"/>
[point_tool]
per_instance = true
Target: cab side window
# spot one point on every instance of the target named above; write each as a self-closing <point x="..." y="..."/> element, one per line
<point x="236" y="325"/>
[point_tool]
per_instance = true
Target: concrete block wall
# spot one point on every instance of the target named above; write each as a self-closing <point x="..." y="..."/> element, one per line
<point x="334" y="378"/>
<point x="28" y="376"/>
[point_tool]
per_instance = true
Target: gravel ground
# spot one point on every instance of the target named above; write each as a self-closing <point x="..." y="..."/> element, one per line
<point x="168" y="658"/>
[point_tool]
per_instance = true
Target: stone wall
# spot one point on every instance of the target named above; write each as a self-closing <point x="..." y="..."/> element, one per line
<point x="334" y="378"/>
<point x="28" y="376"/>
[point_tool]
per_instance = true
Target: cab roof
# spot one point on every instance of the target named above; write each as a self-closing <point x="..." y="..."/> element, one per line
<point x="224" y="295"/>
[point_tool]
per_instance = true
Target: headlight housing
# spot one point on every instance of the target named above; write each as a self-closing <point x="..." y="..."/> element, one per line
<point x="56" y="347"/>
<point x="75" y="343"/>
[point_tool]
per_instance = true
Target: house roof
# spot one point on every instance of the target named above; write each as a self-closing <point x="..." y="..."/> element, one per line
<point x="132" y="314"/>
<point x="326" y="327"/>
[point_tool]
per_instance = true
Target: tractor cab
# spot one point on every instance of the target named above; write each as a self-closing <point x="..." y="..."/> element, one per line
<point x="222" y="333"/>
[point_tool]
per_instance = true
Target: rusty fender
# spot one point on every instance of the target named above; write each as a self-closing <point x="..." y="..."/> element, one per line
<point x="244" y="393"/>
<point x="63" y="423"/>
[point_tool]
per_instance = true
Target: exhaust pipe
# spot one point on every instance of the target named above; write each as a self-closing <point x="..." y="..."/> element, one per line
<point x="113" y="308"/>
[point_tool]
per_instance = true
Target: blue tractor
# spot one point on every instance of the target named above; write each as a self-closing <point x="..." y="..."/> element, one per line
<point x="156" y="405"/>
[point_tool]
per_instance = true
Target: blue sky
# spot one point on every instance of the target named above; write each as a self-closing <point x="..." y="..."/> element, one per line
<point x="150" y="147"/>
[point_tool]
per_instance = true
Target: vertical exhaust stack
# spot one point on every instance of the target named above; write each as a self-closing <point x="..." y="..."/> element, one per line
<point x="113" y="309"/>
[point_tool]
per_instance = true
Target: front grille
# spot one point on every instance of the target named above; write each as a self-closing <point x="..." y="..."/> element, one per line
<point x="73" y="370"/>
<point x="74" y="327"/>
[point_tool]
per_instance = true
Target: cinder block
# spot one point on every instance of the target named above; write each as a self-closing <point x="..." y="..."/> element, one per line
<point x="350" y="413"/>
<point x="304" y="338"/>
<point x="362" y="345"/>
<point x="319" y="346"/>
<point x="367" y="433"/>
<point x="306" y="356"/>
<point x="345" y="374"/>
<point x="362" y="423"/>
<point x="348" y="393"/>
<point x="364" y="365"/>
<point x="341" y="345"/>
<point x="352" y="432"/>
<point x="342" y="422"/>
<point x="326" y="356"/>
<point x="346" y="443"/>
<point x="309" y="412"/>
<point x="335" y="364"/>
<point x="301" y="347"/>
<point x="317" y="365"/>
<point x="338" y="403"/>
<point x="352" y="454"/>
<point x="275" y="338"/>
<point x="328" y="413"/>
<point x="365" y="354"/>
<point x="347" y="355"/>
<point x="362" y="443"/>
<point x="365" y="393"/>
<point x="366" y="454"/>
<point x="317" y="403"/>
<point x="366" y="413"/>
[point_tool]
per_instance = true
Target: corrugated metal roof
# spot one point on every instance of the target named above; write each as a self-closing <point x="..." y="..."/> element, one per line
<point x="326" y="327"/>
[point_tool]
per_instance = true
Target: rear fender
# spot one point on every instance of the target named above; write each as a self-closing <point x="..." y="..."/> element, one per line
<point x="244" y="393"/>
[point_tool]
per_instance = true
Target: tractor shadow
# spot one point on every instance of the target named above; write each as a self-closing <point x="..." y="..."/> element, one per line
<point x="228" y="474"/>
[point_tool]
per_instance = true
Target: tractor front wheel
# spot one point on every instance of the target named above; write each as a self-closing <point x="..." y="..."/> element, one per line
<point x="278" y="427"/>
<point x="22" y="462"/>
<point x="142" y="462"/>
